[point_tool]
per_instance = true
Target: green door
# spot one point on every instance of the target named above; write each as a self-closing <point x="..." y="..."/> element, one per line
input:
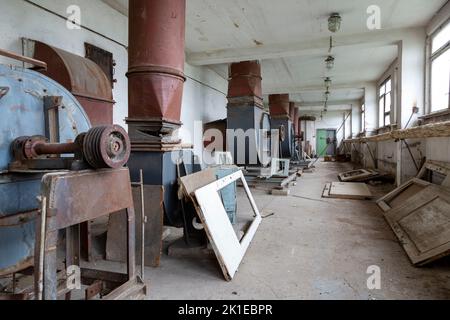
<point x="321" y="142"/>
<point x="326" y="142"/>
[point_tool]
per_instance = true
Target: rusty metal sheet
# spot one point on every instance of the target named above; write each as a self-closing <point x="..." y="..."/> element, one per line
<point x="245" y="79"/>
<point x="154" y="210"/>
<point x="82" y="77"/>
<point x="82" y="196"/>
<point x="156" y="59"/>
<point x="279" y="105"/>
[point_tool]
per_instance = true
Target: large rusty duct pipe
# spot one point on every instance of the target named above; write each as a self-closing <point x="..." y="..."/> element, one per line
<point x="156" y="64"/>
<point x="245" y="83"/>
<point x="297" y="122"/>
<point x="279" y="106"/>
<point x="294" y="115"/>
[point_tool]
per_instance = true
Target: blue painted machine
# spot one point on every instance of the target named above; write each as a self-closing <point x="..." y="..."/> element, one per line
<point x="24" y="112"/>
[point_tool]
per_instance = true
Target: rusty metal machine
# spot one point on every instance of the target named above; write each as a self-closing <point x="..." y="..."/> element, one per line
<point x="56" y="172"/>
<point x="281" y="112"/>
<point x="155" y="80"/>
<point x="247" y="119"/>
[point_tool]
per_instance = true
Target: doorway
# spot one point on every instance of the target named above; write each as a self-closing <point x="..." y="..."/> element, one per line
<point x="326" y="142"/>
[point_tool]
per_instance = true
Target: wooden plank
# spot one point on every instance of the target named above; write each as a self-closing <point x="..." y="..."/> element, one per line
<point x="326" y="191"/>
<point x="401" y="194"/>
<point x="154" y="210"/>
<point x="195" y="181"/>
<point x="227" y="247"/>
<point x="357" y="175"/>
<point x="345" y="190"/>
<point x="435" y="130"/>
<point x="422" y="225"/>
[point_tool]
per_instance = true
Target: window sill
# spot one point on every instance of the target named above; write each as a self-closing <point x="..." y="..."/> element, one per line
<point x="434" y="117"/>
<point x="386" y="129"/>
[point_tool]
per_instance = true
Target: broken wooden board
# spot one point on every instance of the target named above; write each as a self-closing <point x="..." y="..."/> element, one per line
<point x="432" y="168"/>
<point x="402" y="194"/>
<point x="191" y="183"/>
<point x="361" y="175"/>
<point x="228" y="248"/>
<point x="116" y="249"/>
<point x="347" y="190"/>
<point x="422" y="225"/>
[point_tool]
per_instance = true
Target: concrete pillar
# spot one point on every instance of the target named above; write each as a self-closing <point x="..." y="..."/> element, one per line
<point x="371" y="102"/>
<point x="356" y="119"/>
<point x="411" y="75"/>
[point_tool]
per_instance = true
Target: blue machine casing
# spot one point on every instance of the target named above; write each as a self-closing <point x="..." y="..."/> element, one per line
<point x="22" y="114"/>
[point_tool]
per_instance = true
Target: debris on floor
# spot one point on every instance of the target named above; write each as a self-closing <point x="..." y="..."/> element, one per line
<point x="361" y="175"/>
<point x="422" y="225"/>
<point x="419" y="214"/>
<point x="345" y="190"/>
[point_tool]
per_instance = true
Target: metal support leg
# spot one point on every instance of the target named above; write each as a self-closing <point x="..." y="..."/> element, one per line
<point x="131" y="236"/>
<point x="50" y="266"/>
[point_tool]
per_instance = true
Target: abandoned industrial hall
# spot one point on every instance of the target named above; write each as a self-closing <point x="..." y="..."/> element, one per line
<point x="248" y="150"/>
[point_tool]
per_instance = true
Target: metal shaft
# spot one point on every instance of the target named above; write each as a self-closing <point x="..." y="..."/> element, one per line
<point x="42" y="148"/>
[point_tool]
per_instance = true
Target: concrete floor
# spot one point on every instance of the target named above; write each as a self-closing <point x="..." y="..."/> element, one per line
<point x="310" y="249"/>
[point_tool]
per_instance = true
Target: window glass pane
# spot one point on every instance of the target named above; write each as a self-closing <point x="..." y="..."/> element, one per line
<point x="388" y="86"/>
<point x="440" y="82"/>
<point x="388" y="106"/>
<point x="441" y="38"/>
<point x="382" y="90"/>
<point x="387" y="120"/>
<point x="381" y="112"/>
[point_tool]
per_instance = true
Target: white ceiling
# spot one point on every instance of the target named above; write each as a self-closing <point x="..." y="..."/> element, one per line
<point x="291" y="39"/>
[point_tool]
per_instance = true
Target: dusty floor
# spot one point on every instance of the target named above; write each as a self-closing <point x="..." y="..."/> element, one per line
<point x="310" y="249"/>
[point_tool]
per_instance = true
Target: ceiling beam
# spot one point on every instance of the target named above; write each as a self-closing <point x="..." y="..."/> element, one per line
<point x="312" y="47"/>
<point x="312" y="89"/>
<point x="330" y="103"/>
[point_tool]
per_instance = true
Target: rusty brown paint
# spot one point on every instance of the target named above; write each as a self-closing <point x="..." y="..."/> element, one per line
<point x="245" y="79"/>
<point x="297" y="122"/>
<point x="293" y="113"/>
<point x="156" y="60"/>
<point x="279" y="105"/>
<point x="83" y="78"/>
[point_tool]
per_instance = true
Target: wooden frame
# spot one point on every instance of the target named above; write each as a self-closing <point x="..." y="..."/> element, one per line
<point x="383" y="97"/>
<point x="385" y="202"/>
<point x="419" y="183"/>
<point x="353" y="176"/>
<point x="351" y="191"/>
<point x="228" y="248"/>
<point x="437" y="167"/>
<point x="421" y="225"/>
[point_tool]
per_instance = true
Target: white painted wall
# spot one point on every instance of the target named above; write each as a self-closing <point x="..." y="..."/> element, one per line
<point x="356" y="119"/>
<point x="330" y="120"/>
<point x="204" y="95"/>
<point x="411" y="74"/>
<point x="371" y="101"/>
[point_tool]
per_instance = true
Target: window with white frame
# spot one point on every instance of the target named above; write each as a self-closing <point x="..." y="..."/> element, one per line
<point x="385" y="102"/>
<point x="440" y="69"/>
<point x="363" y="117"/>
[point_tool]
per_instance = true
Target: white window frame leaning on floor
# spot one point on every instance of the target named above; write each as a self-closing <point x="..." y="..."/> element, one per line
<point x="228" y="248"/>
